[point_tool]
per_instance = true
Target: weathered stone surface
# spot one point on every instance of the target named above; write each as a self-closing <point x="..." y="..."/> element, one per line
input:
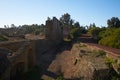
<point x="24" y="53"/>
<point x="4" y="62"/>
<point x="53" y="31"/>
<point x="74" y="66"/>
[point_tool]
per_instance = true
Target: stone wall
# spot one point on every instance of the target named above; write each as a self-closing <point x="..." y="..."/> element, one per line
<point x="22" y="57"/>
<point x="43" y="46"/>
<point x="53" y="31"/>
<point x="12" y="45"/>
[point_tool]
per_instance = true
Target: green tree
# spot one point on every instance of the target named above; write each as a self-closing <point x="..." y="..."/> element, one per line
<point x="13" y="26"/>
<point x="114" y="22"/>
<point x="92" y="25"/>
<point x="65" y="19"/>
<point x="77" y="25"/>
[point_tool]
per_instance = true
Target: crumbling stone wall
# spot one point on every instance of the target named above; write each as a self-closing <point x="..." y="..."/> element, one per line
<point x="23" y="55"/>
<point x="12" y="45"/>
<point x="53" y="30"/>
<point x="21" y="59"/>
<point x="4" y="62"/>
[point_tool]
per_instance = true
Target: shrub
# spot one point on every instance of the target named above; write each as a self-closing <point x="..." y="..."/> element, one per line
<point x="110" y="61"/>
<point x="118" y="64"/>
<point x="59" y="78"/>
<point x="75" y="32"/>
<point x="82" y="45"/>
<point x="3" y="38"/>
<point x="111" y="38"/>
<point x="99" y="53"/>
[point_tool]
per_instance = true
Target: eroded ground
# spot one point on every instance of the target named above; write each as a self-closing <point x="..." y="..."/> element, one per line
<point x="80" y="62"/>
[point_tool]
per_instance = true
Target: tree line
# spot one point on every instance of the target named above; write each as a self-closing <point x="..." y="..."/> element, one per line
<point x="26" y="29"/>
<point x="108" y="36"/>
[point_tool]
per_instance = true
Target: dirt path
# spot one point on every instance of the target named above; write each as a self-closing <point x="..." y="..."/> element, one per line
<point x="90" y="41"/>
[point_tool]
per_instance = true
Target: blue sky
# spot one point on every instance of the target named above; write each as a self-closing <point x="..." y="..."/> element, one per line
<point x="21" y="12"/>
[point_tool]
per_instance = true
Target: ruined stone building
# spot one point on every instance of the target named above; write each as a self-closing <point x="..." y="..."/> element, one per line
<point x="53" y="30"/>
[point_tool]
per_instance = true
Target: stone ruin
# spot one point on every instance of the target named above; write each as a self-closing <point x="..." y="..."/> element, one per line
<point x="19" y="56"/>
<point x="53" y="30"/>
<point x="16" y="57"/>
<point x="4" y="62"/>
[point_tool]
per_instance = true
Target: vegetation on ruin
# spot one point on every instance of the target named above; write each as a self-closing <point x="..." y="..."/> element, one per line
<point x="110" y="61"/>
<point x="112" y="73"/>
<point x="99" y="53"/>
<point x="82" y="45"/>
<point x="60" y="77"/>
<point x="75" y="28"/>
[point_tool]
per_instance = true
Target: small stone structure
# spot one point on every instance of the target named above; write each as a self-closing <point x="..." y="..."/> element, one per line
<point x="53" y="30"/>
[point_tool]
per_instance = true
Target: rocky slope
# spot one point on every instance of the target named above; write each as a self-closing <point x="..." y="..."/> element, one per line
<point x="81" y="62"/>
